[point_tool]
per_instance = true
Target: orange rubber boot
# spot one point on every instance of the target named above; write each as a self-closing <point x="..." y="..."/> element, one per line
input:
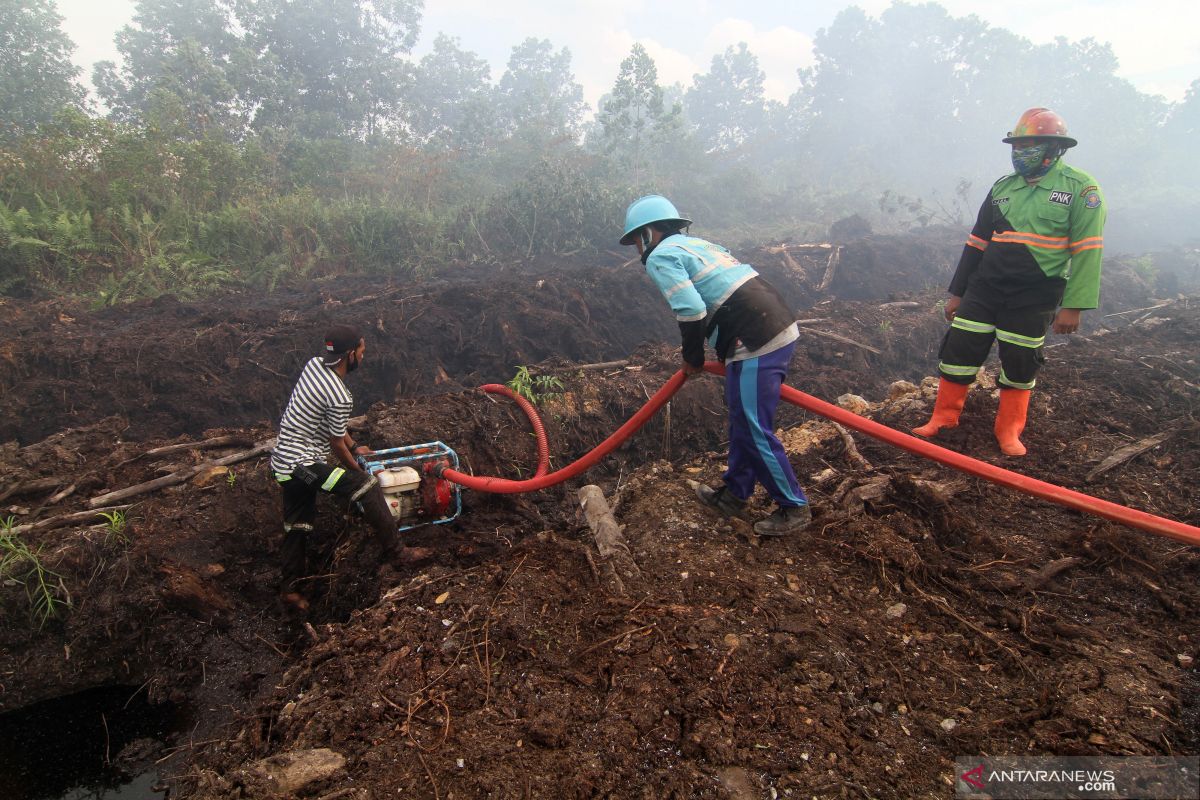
<point x="1010" y="420"/>
<point x="949" y="404"/>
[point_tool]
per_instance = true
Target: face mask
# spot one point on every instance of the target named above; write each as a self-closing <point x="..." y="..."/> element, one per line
<point x="1034" y="161"/>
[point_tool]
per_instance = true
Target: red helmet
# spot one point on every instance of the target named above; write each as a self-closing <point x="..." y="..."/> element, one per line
<point x="1041" y="123"/>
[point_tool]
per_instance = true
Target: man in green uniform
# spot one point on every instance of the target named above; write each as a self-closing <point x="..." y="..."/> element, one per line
<point x="1032" y="260"/>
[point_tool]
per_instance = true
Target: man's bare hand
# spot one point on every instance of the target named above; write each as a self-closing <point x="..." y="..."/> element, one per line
<point x="951" y="308"/>
<point x="1066" y="321"/>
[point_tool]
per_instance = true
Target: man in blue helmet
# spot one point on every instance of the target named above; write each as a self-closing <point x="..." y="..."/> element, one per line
<point x="715" y="296"/>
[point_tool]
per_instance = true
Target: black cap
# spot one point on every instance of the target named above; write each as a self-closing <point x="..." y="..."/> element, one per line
<point x="339" y="340"/>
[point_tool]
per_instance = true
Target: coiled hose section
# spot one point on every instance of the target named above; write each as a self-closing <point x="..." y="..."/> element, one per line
<point x="543" y="446"/>
<point x="998" y="475"/>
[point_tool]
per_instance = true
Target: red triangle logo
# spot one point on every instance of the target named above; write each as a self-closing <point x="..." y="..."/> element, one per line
<point x="973" y="777"/>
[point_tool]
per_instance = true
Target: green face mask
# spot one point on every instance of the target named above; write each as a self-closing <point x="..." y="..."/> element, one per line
<point x="1035" y="160"/>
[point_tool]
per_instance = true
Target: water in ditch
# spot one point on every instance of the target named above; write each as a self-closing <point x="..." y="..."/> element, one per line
<point x="102" y="744"/>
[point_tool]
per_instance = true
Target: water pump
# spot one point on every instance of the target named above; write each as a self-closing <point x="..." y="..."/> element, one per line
<point x="412" y="483"/>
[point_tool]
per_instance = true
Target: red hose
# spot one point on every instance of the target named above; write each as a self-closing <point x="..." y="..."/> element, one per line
<point x="543" y="446"/>
<point x="505" y="486"/>
<point x="1022" y="483"/>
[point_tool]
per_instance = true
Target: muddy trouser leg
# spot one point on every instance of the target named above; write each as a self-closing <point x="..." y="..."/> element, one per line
<point x="361" y="490"/>
<point x="1021" y="333"/>
<point x="299" y="514"/>
<point x="969" y="339"/>
<point x="366" y="496"/>
<point x="374" y="508"/>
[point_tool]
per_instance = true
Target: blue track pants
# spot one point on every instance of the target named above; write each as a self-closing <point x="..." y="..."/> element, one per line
<point x="755" y="453"/>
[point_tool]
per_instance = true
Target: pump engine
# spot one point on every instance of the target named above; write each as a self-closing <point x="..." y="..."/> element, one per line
<point x="410" y="482"/>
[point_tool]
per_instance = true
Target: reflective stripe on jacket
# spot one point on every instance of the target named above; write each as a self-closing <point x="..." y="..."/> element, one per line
<point x="695" y="276"/>
<point x="1038" y="243"/>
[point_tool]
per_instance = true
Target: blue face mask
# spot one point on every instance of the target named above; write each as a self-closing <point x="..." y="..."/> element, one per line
<point x="1035" y="160"/>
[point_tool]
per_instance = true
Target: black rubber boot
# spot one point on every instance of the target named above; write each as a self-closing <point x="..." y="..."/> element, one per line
<point x="721" y="500"/>
<point x="784" y="520"/>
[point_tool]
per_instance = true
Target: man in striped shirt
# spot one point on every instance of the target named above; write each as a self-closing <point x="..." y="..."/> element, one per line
<point x="1032" y="260"/>
<point x="313" y="426"/>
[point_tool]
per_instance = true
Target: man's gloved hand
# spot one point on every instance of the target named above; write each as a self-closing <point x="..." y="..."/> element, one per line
<point x="1067" y="320"/>
<point x="691" y="371"/>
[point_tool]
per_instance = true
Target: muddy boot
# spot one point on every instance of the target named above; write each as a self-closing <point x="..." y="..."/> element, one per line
<point x="294" y="604"/>
<point x="1010" y="420"/>
<point x="784" y="520"/>
<point x="374" y="508"/>
<point x="721" y="500"/>
<point x="414" y="555"/>
<point x="949" y="404"/>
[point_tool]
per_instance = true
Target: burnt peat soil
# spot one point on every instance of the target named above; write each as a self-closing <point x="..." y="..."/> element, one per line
<point x="926" y="614"/>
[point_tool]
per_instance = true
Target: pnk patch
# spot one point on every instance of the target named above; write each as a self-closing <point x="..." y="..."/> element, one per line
<point x="1092" y="199"/>
<point x="1062" y="198"/>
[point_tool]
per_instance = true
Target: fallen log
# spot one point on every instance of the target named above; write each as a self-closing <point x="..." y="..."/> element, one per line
<point x="62" y="495"/>
<point x="62" y="520"/>
<point x="1136" y="310"/>
<point x="232" y="440"/>
<point x="180" y="476"/>
<point x="598" y="365"/>
<point x="1049" y="571"/>
<point x="831" y="268"/>
<point x="901" y="304"/>
<point x="839" y="338"/>
<point x="1129" y="451"/>
<point x="783" y="248"/>
<point x="30" y="487"/>
<point x="265" y="368"/>
<point x="617" y="562"/>
<point x="852" y="453"/>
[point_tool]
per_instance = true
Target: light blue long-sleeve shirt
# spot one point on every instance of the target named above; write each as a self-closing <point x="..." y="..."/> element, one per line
<point x="695" y="276"/>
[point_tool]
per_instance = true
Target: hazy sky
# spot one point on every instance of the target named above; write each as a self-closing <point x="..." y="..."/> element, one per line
<point x="1156" y="41"/>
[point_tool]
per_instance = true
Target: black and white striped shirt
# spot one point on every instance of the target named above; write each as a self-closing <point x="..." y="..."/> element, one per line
<point x="317" y="412"/>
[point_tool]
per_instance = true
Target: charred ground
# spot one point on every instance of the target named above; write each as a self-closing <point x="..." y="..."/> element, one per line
<point x="731" y="667"/>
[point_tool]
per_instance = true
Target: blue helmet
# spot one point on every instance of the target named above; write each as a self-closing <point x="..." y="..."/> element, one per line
<point x="651" y="208"/>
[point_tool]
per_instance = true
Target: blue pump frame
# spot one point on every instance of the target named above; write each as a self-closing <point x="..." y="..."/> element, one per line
<point x="414" y="455"/>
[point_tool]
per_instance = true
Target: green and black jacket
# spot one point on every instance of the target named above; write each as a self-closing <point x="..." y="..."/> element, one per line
<point x="1038" y="245"/>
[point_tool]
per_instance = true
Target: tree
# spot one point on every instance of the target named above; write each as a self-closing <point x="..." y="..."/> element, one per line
<point x="539" y="98"/>
<point x="726" y="105"/>
<point x="887" y="86"/>
<point x="1181" y="135"/>
<point x="917" y="101"/>
<point x="182" y="63"/>
<point x="37" y="78"/>
<point x="634" y="124"/>
<point x="452" y="103"/>
<point x="330" y="67"/>
<point x="1184" y="121"/>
